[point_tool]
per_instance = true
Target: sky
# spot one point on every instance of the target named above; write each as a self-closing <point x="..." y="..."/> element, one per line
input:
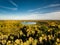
<point x="29" y="9"/>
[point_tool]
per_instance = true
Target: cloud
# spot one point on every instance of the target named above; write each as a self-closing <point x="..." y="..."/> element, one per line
<point x="33" y="16"/>
<point x="13" y="3"/>
<point x="8" y="8"/>
<point x="51" y="5"/>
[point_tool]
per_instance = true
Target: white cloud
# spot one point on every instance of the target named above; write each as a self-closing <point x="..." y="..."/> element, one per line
<point x="8" y="8"/>
<point x="48" y="6"/>
<point x="33" y="16"/>
<point x="52" y="5"/>
<point x="13" y="3"/>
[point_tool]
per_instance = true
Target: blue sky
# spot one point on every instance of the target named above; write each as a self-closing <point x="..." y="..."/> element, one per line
<point x="29" y="9"/>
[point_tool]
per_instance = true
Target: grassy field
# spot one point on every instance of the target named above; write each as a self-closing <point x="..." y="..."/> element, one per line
<point x="7" y="25"/>
<point x="41" y="32"/>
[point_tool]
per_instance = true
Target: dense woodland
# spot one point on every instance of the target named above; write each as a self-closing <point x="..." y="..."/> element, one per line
<point x="41" y="33"/>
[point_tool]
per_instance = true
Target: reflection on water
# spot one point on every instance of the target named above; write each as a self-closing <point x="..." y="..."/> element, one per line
<point x="28" y="22"/>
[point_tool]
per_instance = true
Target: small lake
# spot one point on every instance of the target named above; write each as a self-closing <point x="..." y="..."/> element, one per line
<point x="28" y="22"/>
